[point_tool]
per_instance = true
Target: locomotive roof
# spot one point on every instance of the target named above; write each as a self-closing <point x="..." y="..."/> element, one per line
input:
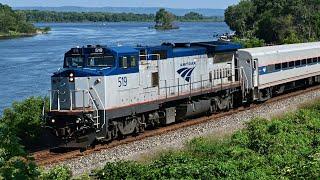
<point x="124" y="49"/>
<point x="173" y="49"/>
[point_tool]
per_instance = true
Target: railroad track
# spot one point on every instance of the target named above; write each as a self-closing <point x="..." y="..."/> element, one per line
<point x="46" y="157"/>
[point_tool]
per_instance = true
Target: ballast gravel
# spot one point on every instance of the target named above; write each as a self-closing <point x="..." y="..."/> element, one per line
<point x="175" y="140"/>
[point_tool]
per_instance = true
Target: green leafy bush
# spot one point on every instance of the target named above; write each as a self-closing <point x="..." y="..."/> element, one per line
<point x="57" y="173"/>
<point x="287" y="147"/>
<point x="14" y="162"/>
<point x="24" y="119"/>
<point x="249" y="42"/>
<point x="18" y="167"/>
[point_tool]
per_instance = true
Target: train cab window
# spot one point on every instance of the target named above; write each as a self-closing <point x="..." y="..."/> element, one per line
<point x="124" y="62"/>
<point x="133" y="61"/>
<point x="291" y="64"/>
<point x="297" y="63"/>
<point x="73" y="61"/>
<point x="303" y="62"/>
<point x="285" y="65"/>
<point x="101" y="61"/>
<point x="309" y="61"/>
<point x="277" y="67"/>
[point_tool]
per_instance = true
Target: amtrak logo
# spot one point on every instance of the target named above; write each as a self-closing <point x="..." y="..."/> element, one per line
<point x="264" y="69"/>
<point x="186" y="73"/>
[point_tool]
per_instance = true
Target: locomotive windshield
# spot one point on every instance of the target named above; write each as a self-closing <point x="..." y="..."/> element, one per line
<point x="101" y="61"/>
<point x="73" y="61"/>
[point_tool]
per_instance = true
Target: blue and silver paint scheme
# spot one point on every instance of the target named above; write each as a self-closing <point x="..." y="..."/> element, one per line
<point x="181" y="66"/>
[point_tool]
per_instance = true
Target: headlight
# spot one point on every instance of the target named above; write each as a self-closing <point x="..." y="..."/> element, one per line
<point x="71" y="77"/>
<point x="53" y="120"/>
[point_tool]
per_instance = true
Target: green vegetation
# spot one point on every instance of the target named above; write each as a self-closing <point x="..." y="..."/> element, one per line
<point x="58" y="172"/>
<point x="15" y="24"/>
<point x="164" y="20"/>
<point x="24" y="120"/>
<point x="249" y="42"/>
<point x="51" y="16"/>
<point x="20" y="127"/>
<point x="284" y="148"/>
<point x="276" y="21"/>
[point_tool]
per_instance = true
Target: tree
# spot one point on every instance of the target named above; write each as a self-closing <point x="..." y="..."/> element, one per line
<point x="240" y="18"/>
<point x="24" y="120"/>
<point x="12" y="22"/>
<point x="164" y="19"/>
<point x="14" y="163"/>
<point x="193" y="16"/>
<point x="276" y="21"/>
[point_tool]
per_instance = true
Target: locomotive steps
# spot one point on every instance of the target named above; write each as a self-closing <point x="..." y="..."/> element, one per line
<point x="176" y="135"/>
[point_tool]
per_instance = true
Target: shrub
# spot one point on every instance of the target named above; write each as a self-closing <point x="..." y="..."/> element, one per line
<point x="249" y="42"/>
<point x="286" y="147"/>
<point x="18" y="168"/>
<point x="57" y="173"/>
<point x="24" y="119"/>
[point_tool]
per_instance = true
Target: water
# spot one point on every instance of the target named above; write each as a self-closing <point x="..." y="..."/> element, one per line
<point x="26" y="64"/>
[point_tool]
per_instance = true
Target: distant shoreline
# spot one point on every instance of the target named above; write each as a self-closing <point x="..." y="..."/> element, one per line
<point x="18" y="34"/>
<point x="35" y="16"/>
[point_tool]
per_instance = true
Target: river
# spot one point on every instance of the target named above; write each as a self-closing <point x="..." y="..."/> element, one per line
<point x="26" y="64"/>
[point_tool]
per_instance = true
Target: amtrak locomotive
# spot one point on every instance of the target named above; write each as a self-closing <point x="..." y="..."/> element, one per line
<point x="103" y="93"/>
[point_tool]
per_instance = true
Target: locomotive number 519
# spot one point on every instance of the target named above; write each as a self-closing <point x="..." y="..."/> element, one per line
<point x="122" y="81"/>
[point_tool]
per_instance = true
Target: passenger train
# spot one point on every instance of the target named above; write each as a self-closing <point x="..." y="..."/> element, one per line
<point x="104" y="93"/>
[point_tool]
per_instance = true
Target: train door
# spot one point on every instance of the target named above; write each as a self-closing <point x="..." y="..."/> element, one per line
<point x="255" y="72"/>
<point x="245" y="63"/>
<point x="149" y="76"/>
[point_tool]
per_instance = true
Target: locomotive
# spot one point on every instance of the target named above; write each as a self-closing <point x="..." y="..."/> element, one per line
<point x="104" y="93"/>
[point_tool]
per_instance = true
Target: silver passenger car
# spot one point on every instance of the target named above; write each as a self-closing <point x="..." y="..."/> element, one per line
<point x="272" y="69"/>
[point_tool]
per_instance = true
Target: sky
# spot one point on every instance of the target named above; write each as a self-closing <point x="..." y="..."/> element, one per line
<point x="211" y="4"/>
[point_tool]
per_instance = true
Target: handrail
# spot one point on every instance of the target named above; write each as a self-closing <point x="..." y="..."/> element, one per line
<point x="148" y="55"/>
<point x="72" y="92"/>
<point x="72" y="106"/>
<point x="104" y="110"/>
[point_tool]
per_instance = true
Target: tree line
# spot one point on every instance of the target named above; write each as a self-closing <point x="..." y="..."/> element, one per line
<point x="276" y="21"/>
<point x="53" y="16"/>
<point x="12" y="22"/>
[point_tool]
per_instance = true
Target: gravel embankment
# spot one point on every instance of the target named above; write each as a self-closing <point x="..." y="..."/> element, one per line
<point x="173" y="140"/>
